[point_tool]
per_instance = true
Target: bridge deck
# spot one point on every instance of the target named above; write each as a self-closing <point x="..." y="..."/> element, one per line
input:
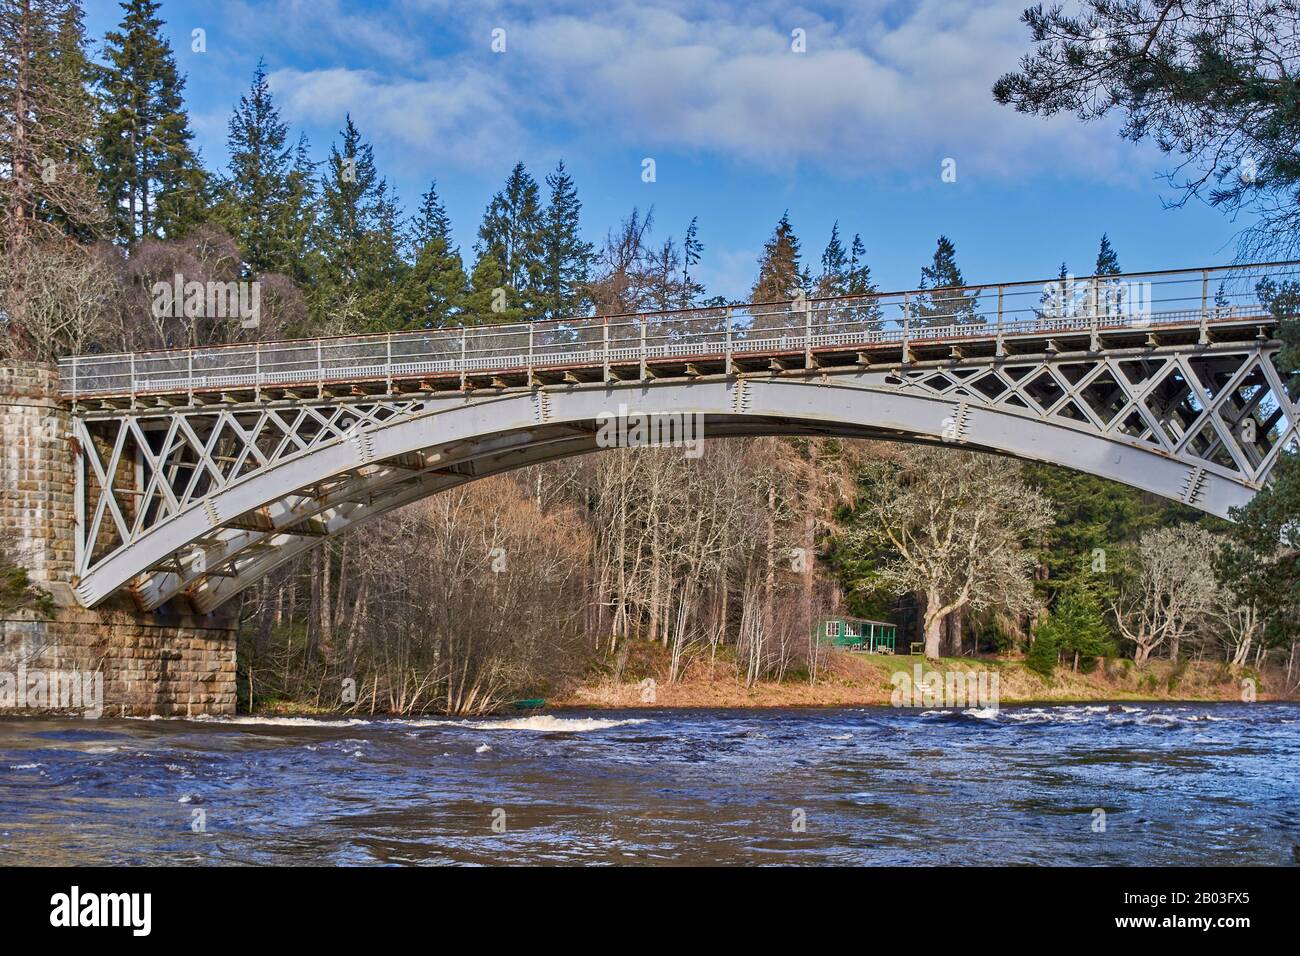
<point x="1017" y="318"/>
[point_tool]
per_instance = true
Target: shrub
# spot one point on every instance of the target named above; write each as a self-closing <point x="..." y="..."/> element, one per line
<point x="1041" y="654"/>
<point x="17" y="592"/>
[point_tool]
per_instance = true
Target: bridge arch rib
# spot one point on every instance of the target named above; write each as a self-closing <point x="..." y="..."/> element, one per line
<point x="213" y="529"/>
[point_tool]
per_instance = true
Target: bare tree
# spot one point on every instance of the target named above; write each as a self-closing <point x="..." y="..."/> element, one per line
<point x="68" y="295"/>
<point x="1174" y="588"/>
<point x="1235" y="621"/>
<point x="205" y="255"/>
<point x="953" y="526"/>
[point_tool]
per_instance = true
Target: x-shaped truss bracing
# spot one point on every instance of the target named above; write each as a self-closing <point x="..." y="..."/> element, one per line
<point x="202" y="501"/>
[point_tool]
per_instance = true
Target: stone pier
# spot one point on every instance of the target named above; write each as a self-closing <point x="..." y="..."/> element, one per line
<point x="157" y="663"/>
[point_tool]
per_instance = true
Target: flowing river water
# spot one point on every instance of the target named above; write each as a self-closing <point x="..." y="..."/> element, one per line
<point x="1177" y="783"/>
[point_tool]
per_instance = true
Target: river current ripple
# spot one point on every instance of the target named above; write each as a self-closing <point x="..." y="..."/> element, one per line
<point x="1179" y="784"/>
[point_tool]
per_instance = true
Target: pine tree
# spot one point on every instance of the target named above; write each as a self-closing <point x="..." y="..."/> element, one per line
<point x="257" y="192"/>
<point x="859" y="272"/>
<point x="692" y="289"/>
<point x="298" y="215"/>
<point x="941" y="304"/>
<point x="1222" y="304"/>
<point x="512" y="231"/>
<point x="780" y="276"/>
<point x="489" y="300"/>
<point x="84" y="217"/>
<point x="150" y="175"/>
<point x="1110" y="292"/>
<point x="1092" y="516"/>
<point x="565" y="257"/>
<point x="1262" y="565"/>
<point x="431" y="221"/>
<point x="1057" y="300"/>
<point x="834" y="278"/>
<point x="1211" y="81"/>
<point x="859" y="282"/>
<point x="357" y="235"/>
<point x="434" y="289"/>
<point x="1107" y="260"/>
<point x="1074" y="629"/>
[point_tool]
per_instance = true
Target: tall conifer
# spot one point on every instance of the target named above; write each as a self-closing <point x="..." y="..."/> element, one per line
<point x="941" y="304"/>
<point x="780" y="275"/>
<point x="150" y="175"/>
<point x="566" y="258"/>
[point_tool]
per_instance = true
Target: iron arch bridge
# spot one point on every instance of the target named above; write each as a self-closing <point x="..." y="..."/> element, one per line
<point x="200" y="470"/>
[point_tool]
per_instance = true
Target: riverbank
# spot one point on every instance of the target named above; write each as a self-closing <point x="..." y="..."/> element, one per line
<point x="852" y="679"/>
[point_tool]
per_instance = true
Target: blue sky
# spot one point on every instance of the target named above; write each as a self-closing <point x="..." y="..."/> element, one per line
<point x="741" y="127"/>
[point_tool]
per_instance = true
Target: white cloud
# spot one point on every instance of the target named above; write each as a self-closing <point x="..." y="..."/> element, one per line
<point x="867" y="96"/>
<point x="882" y="88"/>
<point x="458" y="117"/>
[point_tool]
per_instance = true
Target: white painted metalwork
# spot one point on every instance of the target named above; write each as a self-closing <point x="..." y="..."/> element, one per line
<point x="1097" y="304"/>
<point x="178" y="498"/>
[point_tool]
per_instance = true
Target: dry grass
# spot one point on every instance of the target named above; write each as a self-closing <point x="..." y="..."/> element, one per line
<point x="861" y="680"/>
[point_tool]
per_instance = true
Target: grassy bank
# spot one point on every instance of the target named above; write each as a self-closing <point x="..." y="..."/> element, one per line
<point x="861" y="679"/>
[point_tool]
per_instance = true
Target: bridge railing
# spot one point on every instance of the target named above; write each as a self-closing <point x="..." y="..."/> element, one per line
<point x="1065" y="304"/>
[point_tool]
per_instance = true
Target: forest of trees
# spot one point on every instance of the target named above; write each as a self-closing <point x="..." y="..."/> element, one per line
<point x="519" y="583"/>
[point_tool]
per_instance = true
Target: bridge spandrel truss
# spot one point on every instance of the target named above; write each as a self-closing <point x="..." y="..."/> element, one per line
<point x="1227" y="409"/>
<point x="165" y="465"/>
<point x="201" y="470"/>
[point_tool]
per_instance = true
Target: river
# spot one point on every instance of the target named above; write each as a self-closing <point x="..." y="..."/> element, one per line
<point x="1178" y="784"/>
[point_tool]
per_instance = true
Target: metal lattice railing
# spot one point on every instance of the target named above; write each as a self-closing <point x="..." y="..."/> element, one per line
<point x="1097" y="304"/>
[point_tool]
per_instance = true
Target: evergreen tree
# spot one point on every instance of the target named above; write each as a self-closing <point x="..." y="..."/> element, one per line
<point x="1093" y="519"/>
<point x="431" y="221"/>
<point x="1107" y="260"/>
<point x="1110" y="292"/>
<point x="150" y="175"/>
<point x="805" y="277"/>
<point x="257" y="194"/>
<point x="434" y="289"/>
<point x="357" y="236"/>
<point x="859" y="272"/>
<point x="1212" y="80"/>
<point x="489" y="300"/>
<point x="692" y="249"/>
<point x="942" y="304"/>
<point x="512" y="231"/>
<point x="780" y="277"/>
<point x="298" y="216"/>
<point x="834" y="278"/>
<point x="566" y="258"/>
<point x="1074" y="628"/>
<point x="860" y="282"/>
<point x="1057" y="300"/>
<point x="1222" y="304"/>
<point x="85" y="217"/>
<point x="1043" y="654"/>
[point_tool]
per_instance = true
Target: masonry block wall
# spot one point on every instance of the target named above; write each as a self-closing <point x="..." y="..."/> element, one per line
<point x="37" y="477"/>
<point x="157" y="663"/>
